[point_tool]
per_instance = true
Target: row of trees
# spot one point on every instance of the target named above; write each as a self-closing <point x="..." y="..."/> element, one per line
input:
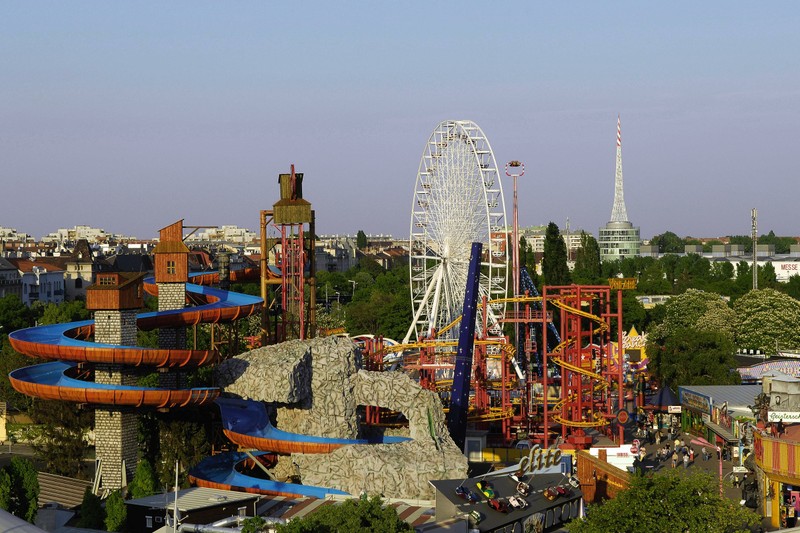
<point x="669" y="243"/>
<point x="695" y="341"/>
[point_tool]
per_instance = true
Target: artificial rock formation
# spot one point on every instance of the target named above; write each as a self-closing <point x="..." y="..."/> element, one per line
<point x="317" y="386"/>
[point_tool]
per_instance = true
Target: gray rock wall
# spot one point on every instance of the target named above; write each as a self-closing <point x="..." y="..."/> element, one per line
<point x="318" y="386"/>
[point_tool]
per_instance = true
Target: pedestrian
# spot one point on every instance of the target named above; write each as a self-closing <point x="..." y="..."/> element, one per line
<point x="658" y="437"/>
<point x="642" y="453"/>
<point x="686" y="460"/>
<point x="719" y="453"/>
<point x="674" y="459"/>
<point x="706" y="455"/>
<point x="691" y="455"/>
<point x="736" y="481"/>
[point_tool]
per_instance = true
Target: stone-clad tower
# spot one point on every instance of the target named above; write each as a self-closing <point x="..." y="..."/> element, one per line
<point x="171" y="275"/>
<point x="619" y="238"/>
<point x="115" y="298"/>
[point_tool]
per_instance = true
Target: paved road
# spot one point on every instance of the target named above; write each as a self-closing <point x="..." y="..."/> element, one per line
<point x="712" y="466"/>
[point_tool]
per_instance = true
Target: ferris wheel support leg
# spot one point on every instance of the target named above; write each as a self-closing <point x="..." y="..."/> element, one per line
<point x="459" y="398"/>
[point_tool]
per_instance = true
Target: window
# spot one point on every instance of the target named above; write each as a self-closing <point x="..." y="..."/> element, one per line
<point x="78" y="283"/>
<point x="107" y="280"/>
<point x="148" y="521"/>
<point x="170" y="267"/>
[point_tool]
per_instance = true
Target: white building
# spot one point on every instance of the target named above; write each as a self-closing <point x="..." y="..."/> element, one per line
<point x="11" y="234"/>
<point x="78" y="232"/>
<point x="335" y="253"/>
<point x="227" y="233"/>
<point x="10" y="279"/>
<point x="41" y="282"/>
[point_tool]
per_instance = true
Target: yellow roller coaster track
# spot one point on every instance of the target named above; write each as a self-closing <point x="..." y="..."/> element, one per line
<point x="603" y="383"/>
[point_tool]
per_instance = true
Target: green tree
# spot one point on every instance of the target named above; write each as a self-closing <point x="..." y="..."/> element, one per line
<point x="62" y="445"/>
<point x="692" y="357"/>
<point x="689" y="309"/>
<point x="791" y="287"/>
<point x="254" y="524"/>
<point x="14" y="314"/>
<point x="767" y="318"/>
<point x="668" y="503"/>
<point x="24" y="489"/>
<point x="767" y="278"/>
<point x="116" y="512"/>
<point x="668" y="243"/>
<point x="5" y="490"/>
<point x="362" y="515"/>
<point x="587" y="261"/>
<point x="144" y="481"/>
<point x="64" y="312"/>
<point x="93" y="515"/>
<point x="181" y="440"/>
<point x="554" y="263"/>
<point x="361" y="240"/>
<point x="526" y="256"/>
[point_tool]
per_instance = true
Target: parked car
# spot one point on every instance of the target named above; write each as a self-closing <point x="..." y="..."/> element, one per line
<point x="485" y="487"/>
<point x="498" y="505"/>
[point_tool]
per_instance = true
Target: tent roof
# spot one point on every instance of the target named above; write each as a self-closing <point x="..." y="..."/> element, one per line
<point x="663" y="399"/>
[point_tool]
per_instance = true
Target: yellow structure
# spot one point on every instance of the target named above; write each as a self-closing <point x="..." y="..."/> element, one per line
<point x="778" y="460"/>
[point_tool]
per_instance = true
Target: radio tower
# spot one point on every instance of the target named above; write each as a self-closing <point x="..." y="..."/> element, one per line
<point x="618" y="212"/>
<point x="618" y="238"/>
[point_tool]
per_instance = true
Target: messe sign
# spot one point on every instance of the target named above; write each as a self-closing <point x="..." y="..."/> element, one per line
<point x="787" y="416"/>
<point x="674" y="409"/>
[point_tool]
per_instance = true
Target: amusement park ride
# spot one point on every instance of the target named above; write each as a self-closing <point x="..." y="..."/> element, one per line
<point x="560" y="374"/>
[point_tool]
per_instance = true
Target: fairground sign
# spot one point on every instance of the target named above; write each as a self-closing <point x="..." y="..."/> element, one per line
<point x="622" y="284"/>
<point x="539" y="459"/>
<point x="787" y="416"/>
<point x="696" y="402"/>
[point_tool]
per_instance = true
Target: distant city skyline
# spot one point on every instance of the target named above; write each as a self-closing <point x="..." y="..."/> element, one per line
<point x="129" y="116"/>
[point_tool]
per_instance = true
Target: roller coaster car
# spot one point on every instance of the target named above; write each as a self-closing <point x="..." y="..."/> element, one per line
<point x="563" y="491"/>
<point x="574" y="481"/>
<point x="523" y="489"/>
<point x="498" y="505"/>
<point x="516" y="502"/>
<point x="550" y="493"/>
<point x="466" y="494"/>
<point x="485" y="488"/>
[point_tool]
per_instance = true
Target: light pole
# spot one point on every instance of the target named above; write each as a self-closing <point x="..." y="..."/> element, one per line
<point x="354" y="287"/>
<point x="518" y="169"/>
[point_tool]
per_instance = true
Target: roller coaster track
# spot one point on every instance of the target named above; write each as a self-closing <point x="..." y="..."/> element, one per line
<point x="602" y="382"/>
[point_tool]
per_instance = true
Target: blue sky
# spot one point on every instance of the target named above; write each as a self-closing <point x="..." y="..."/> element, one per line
<point x="131" y="115"/>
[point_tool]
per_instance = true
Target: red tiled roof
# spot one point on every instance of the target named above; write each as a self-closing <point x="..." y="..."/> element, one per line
<point x="26" y="265"/>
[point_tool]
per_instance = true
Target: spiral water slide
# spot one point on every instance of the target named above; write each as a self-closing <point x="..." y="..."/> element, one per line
<point x="68" y="345"/>
<point x="245" y="422"/>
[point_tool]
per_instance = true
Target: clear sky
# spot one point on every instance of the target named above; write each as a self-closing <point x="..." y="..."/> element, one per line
<point x="131" y="115"/>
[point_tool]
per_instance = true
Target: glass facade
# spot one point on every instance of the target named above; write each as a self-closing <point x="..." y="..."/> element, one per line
<point x="617" y="240"/>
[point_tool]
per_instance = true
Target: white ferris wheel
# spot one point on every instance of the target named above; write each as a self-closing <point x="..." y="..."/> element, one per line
<point x="458" y="200"/>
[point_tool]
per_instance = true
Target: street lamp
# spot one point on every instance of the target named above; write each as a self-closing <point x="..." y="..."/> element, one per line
<point x="354" y="285"/>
